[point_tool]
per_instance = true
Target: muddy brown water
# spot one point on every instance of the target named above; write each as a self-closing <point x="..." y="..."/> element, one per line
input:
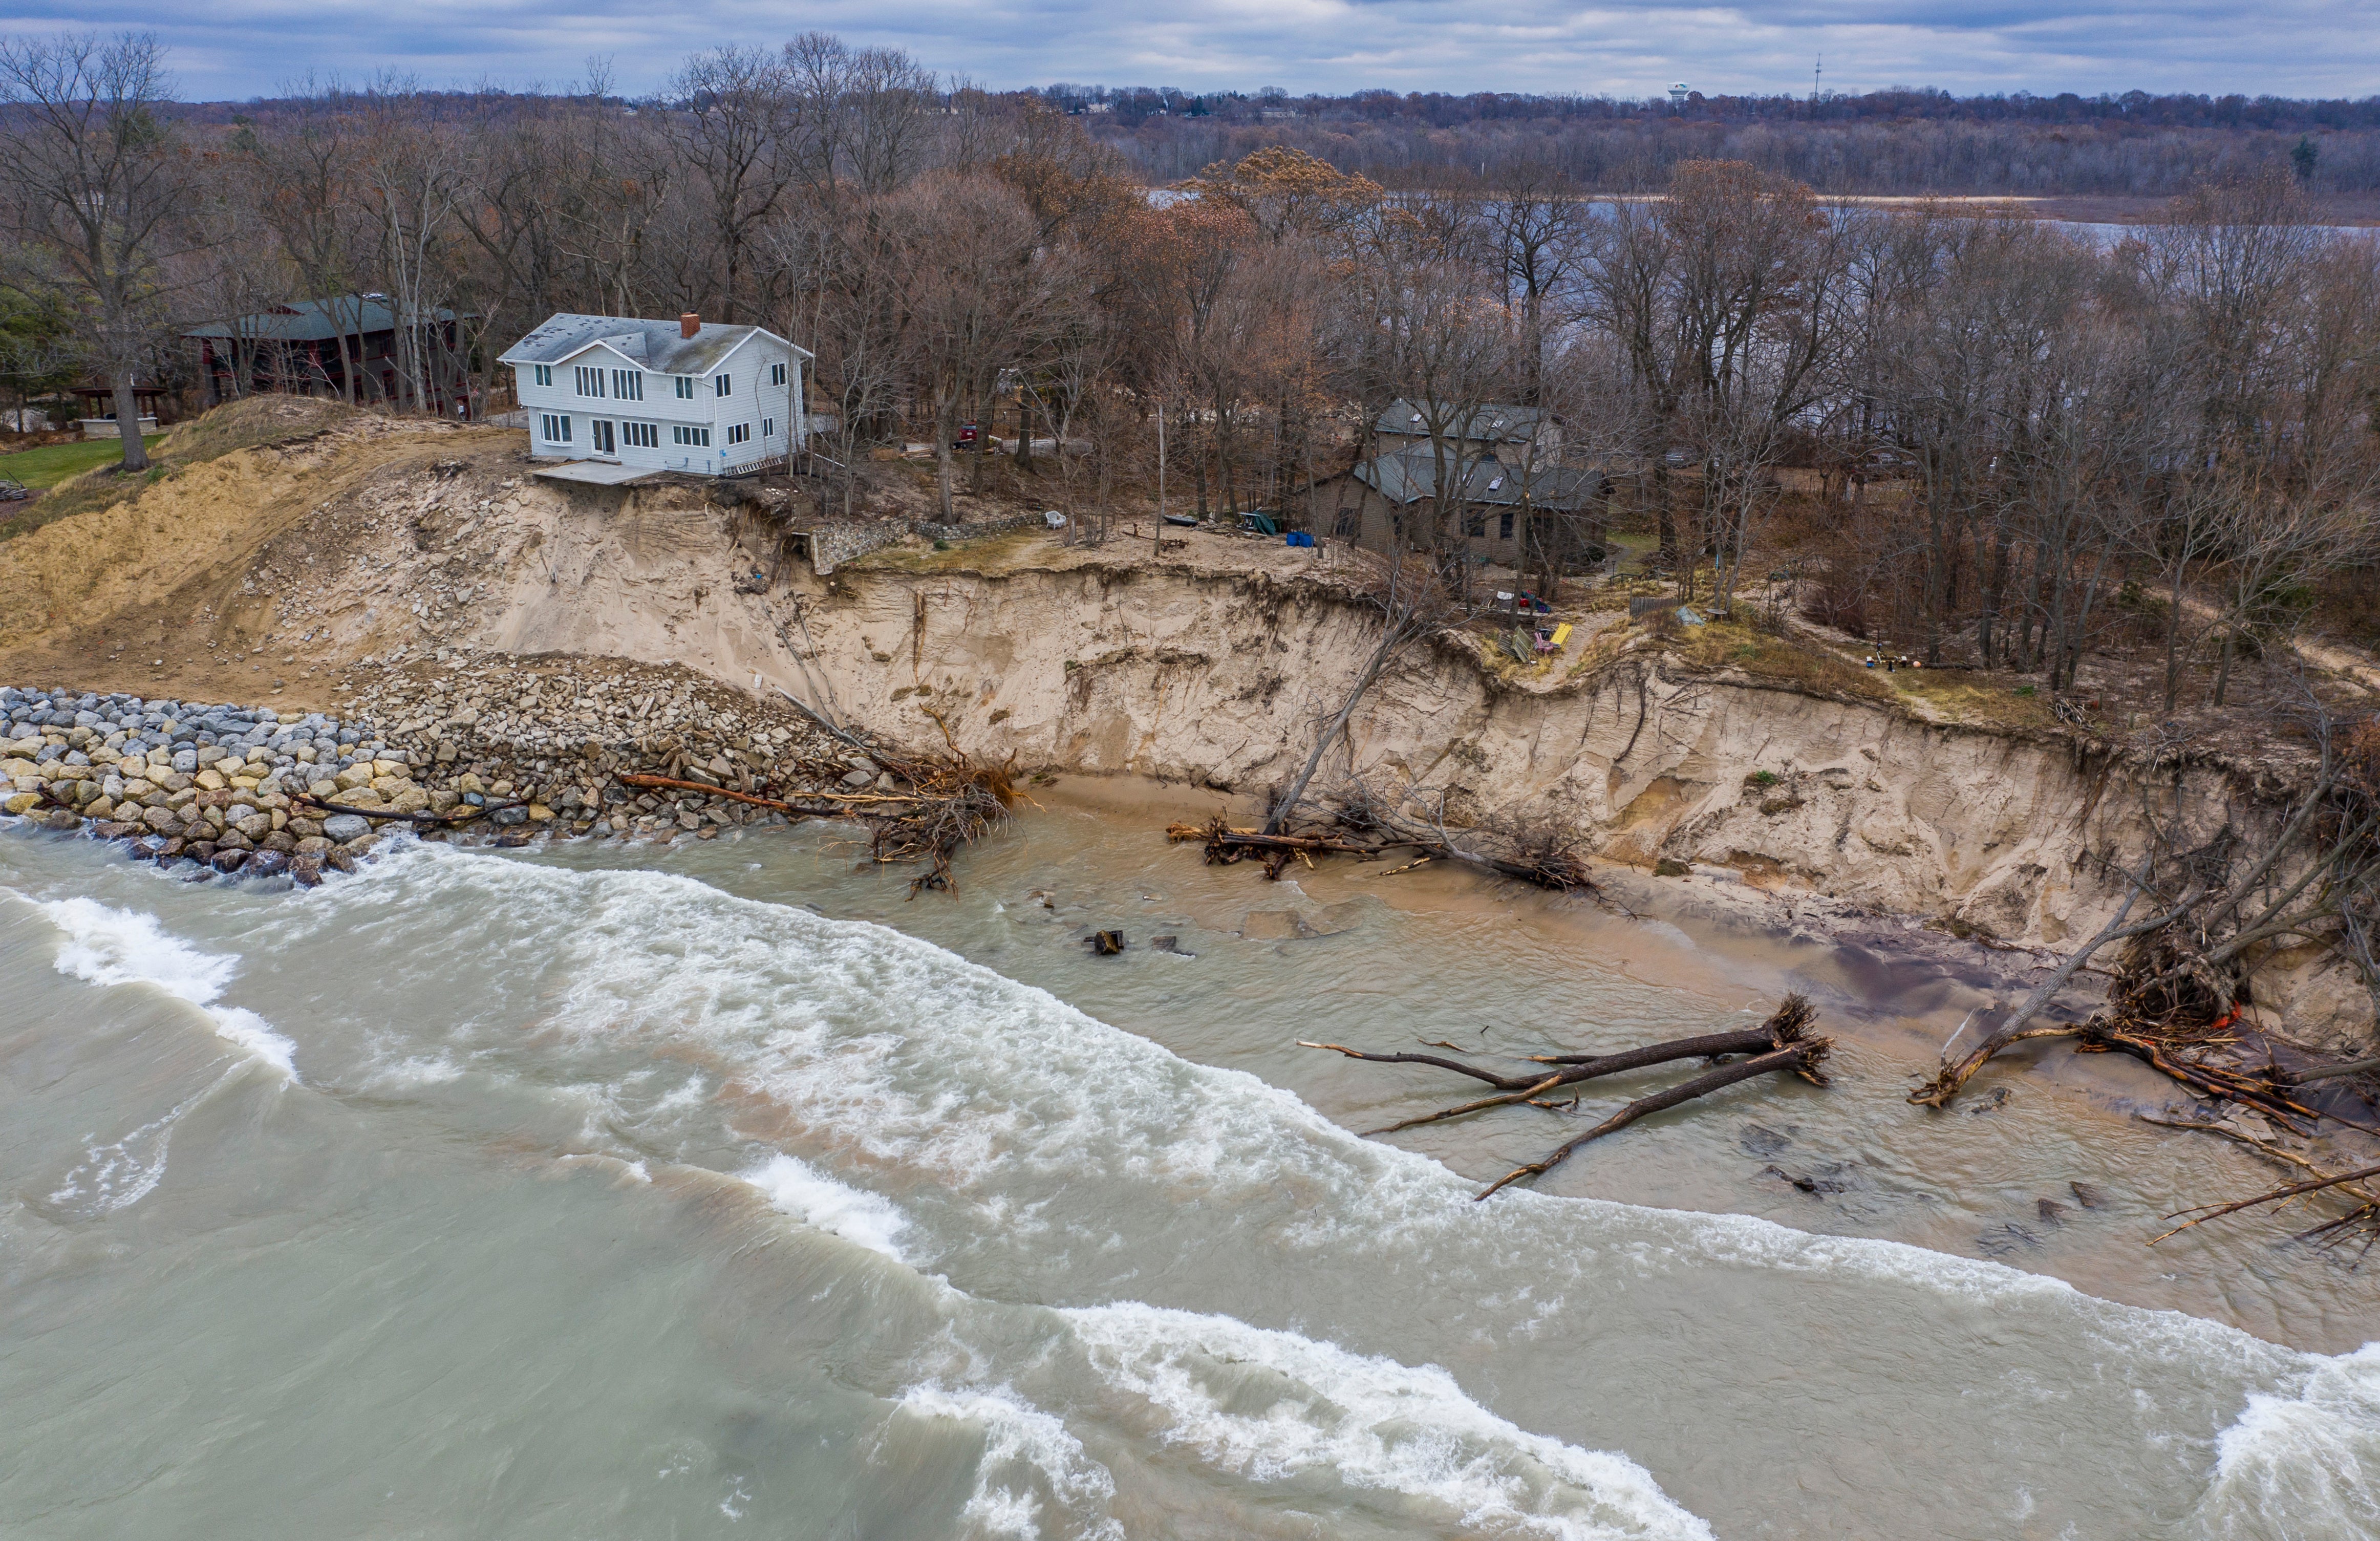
<point x="721" y="1189"/>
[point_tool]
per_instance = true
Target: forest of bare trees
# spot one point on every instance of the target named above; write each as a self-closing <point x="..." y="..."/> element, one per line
<point x="1889" y="142"/>
<point x="2017" y="434"/>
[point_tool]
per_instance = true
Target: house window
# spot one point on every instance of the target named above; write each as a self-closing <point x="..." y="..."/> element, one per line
<point x="739" y="434"/>
<point x="557" y="428"/>
<point x="685" y="387"/>
<point x="723" y="383"/>
<point x="545" y="373"/>
<point x="1504" y="526"/>
<point x="681" y="434"/>
<point x="768" y="428"/>
<point x="776" y="374"/>
<point x="1477" y="525"/>
<point x="642" y="435"/>
<point x="628" y="384"/>
<point x="591" y="381"/>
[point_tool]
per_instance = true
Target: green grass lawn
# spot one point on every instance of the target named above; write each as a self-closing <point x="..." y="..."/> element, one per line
<point x="52" y="464"/>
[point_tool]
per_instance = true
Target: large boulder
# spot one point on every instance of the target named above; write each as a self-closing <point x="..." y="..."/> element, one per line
<point x="341" y="828"/>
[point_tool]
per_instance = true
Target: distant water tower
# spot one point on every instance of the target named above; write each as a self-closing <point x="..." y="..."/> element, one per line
<point x="1678" y="94"/>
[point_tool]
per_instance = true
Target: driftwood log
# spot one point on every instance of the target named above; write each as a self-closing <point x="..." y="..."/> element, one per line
<point x="838" y="803"/>
<point x="1786" y="1027"/>
<point x="462" y="813"/>
<point x="1781" y="1043"/>
<point x="1221" y="838"/>
<point x="2366" y="1214"/>
<point x="1802" y="1059"/>
<point x="1225" y="845"/>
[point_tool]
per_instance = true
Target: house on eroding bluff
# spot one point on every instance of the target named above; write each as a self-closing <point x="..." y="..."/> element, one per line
<point x="1493" y="470"/>
<point x="614" y="398"/>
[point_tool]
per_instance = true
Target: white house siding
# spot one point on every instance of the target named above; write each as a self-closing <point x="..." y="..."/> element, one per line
<point x="751" y="400"/>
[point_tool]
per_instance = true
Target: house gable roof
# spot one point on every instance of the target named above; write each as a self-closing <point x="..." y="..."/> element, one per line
<point x="657" y="345"/>
<point x="312" y="321"/>
<point x="1409" y="475"/>
<point x="1491" y="422"/>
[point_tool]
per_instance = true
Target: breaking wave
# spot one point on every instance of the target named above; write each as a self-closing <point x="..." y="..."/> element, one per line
<point x="2307" y="1462"/>
<point x="1274" y="1406"/>
<point x="106" y="946"/>
<point x="794" y="1187"/>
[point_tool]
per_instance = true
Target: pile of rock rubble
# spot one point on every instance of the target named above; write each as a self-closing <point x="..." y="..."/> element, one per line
<point x="502" y="748"/>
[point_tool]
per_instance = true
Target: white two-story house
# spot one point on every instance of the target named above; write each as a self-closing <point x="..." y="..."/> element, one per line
<point x="658" y="395"/>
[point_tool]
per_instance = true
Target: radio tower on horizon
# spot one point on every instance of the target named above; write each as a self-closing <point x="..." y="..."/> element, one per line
<point x="1816" y="73"/>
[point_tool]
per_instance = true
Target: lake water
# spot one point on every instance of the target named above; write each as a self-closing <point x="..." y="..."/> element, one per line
<point x="720" y="1190"/>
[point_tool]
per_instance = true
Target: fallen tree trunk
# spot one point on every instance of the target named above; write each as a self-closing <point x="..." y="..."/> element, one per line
<point x="673" y="785"/>
<point x="2216" y="1211"/>
<point x="1227" y="845"/>
<point x="1947" y="1081"/>
<point x="2327" y="1073"/>
<point x="2208" y="1080"/>
<point x="462" y="814"/>
<point x="1219" y="838"/>
<point x="1801" y="1059"/>
<point x="1786" y="1025"/>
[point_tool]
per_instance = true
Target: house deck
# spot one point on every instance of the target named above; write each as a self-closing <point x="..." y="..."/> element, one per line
<point x="596" y="473"/>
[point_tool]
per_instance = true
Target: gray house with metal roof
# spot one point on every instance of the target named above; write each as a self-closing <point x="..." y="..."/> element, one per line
<point x="1509" y="505"/>
<point x="617" y="397"/>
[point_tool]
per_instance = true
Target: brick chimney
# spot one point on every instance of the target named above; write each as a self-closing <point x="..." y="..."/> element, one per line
<point x="688" y="323"/>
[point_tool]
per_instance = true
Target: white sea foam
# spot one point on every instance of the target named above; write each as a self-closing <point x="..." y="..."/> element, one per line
<point x="1273" y="1406"/>
<point x="796" y="1188"/>
<point x="1030" y="1458"/>
<point x="2303" y="1464"/>
<point x="123" y="1171"/>
<point x="106" y="946"/>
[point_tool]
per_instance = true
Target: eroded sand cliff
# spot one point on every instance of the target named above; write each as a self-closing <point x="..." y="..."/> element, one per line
<point x="299" y="574"/>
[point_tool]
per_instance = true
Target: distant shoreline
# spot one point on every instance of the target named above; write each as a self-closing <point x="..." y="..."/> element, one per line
<point x="2334" y="211"/>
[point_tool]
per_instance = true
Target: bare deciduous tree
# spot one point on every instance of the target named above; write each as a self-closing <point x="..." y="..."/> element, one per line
<point x="96" y="190"/>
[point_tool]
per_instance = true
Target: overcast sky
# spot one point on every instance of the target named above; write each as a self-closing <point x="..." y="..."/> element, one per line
<point x="235" y="49"/>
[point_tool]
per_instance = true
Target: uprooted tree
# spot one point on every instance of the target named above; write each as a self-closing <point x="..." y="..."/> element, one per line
<point x="2218" y="911"/>
<point x="1783" y="1043"/>
<point x="1412" y="603"/>
<point x="1360" y="817"/>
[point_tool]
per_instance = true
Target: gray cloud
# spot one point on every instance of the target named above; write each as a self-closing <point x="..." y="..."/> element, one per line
<point x="240" y="48"/>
